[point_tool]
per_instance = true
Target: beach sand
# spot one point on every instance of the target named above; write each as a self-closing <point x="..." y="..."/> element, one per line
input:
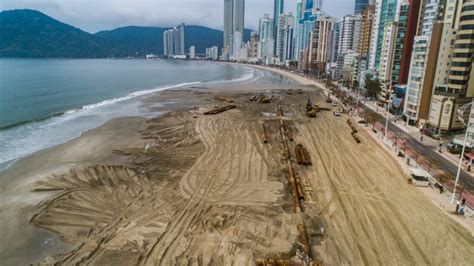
<point x="189" y="189"/>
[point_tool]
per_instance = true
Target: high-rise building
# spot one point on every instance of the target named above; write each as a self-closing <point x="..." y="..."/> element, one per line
<point x="333" y="46"/>
<point x="265" y="28"/>
<point x="192" y="52"/>
<point x="265" y="51"/>
<point x="461" y="75"/>
<point x="278" y="9"/>
<point x="365" y="31"/>
<point x="173" y="41"/>
<point x="357" y="33"/>
<point x="421" y="71"/>
<point x="170" y="42"/>
<point x="348" y="37"/>
<point x="320" y="43"/>
<point x="308" y="11"/>
<point x="284" y="48"/>
<point x="415" y="82"/>
<point x="181" y="30"/>
<point x="318" y="4"/>
<point x="265" y="46"/>
<point x="360" y="6"/>
<point x="299" y="7"/>
<point x="407" y="24"/>
<point x="385" y="11"/>
<point x="239" y="16"/>
<point x="454" y="80"/>
<point x="236" y="48"/>
<point x="386" y="60"/>
<point x="166" y="48"/>
<point x="374" y="34"/>
<point x="212" y="53"/>
<point x="428" y="16"/>
<point x="228" y="24"/>
<point x="253" y="45"/>
<point x="234" y="17"/>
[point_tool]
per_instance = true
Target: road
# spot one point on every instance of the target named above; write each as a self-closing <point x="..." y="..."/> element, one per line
<point x="465" y="179"/>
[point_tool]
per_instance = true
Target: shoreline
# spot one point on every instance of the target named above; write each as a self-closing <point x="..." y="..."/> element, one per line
<point x="206" y="185"/>
<point x="133" y="97"/>
<point x="34" y="134"/>
<point x="20" y="174"/>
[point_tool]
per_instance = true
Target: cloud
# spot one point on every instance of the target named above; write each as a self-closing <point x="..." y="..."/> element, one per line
<point x="96" y="15"/>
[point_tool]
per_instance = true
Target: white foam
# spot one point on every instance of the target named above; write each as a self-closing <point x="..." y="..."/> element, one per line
<point x="135" y="95"/>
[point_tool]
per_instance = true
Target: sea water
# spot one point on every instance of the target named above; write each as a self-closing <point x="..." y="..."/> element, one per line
<point x="45" y="102"/>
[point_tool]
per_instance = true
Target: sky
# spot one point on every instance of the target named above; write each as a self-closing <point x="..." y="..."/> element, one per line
<point x="97" y="15"/>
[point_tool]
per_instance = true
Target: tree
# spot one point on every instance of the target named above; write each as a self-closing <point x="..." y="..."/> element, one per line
<point x="370" y="117"/>
<point x="355" y="85"/>
<point x="372" y="86"/>
<point x="444" y="178"/>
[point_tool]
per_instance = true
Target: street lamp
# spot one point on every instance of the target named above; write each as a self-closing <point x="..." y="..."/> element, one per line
<point x="461" y="119"/>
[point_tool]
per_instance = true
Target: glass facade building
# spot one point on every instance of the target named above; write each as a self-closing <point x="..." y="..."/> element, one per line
<point x="387" y="11"/>
<point x="278" y="7"/>
<point x="360" y="6"/>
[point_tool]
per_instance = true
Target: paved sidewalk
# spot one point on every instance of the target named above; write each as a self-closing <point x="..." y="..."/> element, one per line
<point x="428" y="142"/>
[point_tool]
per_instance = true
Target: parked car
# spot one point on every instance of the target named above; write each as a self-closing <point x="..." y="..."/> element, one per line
<point x="450" y="145"/>
<point x="337" y="113"/>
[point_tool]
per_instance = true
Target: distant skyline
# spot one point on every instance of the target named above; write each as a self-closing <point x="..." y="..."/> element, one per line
<point x="96" y="15"/>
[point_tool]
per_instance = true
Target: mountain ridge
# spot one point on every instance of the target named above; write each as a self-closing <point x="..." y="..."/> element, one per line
<point x="28" y="33"/>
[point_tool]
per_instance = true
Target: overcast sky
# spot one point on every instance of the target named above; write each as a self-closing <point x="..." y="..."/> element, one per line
<point x="96" y="15"/>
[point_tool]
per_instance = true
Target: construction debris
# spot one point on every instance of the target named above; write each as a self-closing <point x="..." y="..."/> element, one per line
<point x="293" y="91"/>
<point x="287" y="131"/>
<point x="303" y="239"/>
<point x="277" y="262"/>
<point x="324" y="109"/>
<point x="353" y="128"/>
<point x="302" y="155"/>
<point x="264" y="134"/>
<point x="223" y="99"/>
<point x="353" y="131"/>
<point x="356" y="138"/>
<point x="280" y="110"/>
<point x="261" y="98"/>
<point x="220" y="109"/>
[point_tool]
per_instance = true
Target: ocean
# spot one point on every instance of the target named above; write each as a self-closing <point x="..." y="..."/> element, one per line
<point x="46" y="102"/>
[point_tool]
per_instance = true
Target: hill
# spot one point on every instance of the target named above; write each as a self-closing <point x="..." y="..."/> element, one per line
<point x="136" y="40"/>
<point x="29" y="33"/>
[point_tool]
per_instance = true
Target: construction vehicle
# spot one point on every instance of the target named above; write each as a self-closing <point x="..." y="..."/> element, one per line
<point x="311" y="109"/>
<point x="328" y="99"/>
<point x="265" y="98"/>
